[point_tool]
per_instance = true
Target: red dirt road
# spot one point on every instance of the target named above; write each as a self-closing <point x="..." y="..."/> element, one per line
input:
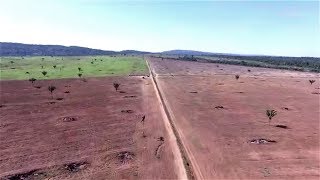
<point x="217" y="116"/>
<point x="94" y="132"/>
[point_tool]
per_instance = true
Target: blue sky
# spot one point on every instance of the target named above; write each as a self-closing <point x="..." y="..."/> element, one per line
<point x="247" y="27"/>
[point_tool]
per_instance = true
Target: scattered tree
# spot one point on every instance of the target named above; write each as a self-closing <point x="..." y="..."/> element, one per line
<point x="32" y="80"/>
<point x="11" y="62"/>
<point x="41" y="67"/>
<point x="116" y="85"/>
<point x="54" y="66"/>
<point x="271" y="113"/>
<point x="237" y="76"/>
<point x="249" y="70"/>
<point x="51" y="89"/>
<point x="312" y="81"/>
<point x="79" y="68"/>
<point x="80" y="74"/>
<point x="44" y="73"/>
<point x="27" y="72"/>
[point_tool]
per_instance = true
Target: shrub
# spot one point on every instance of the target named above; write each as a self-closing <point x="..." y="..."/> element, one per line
<point x="271" y="113"/>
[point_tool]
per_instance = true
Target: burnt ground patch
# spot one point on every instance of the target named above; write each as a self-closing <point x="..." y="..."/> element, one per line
<point x="262" y="141"/>
<point x="125" y="156"/>
<point x="132" y="96"/>
<point x="69" y="119"/>
<point x="285" y="108"/>
<point x="219" y="107"/>
<point x="281" y="126"/>
<point x="76" y="166"/>
<point x="33" y="174"/>
<point x="127" y="111"/>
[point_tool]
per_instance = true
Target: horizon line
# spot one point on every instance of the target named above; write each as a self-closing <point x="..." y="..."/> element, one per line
<point x="199" y="51"/>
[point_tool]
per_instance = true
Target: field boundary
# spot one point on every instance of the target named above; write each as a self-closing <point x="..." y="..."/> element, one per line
<point x="188" y="165"/>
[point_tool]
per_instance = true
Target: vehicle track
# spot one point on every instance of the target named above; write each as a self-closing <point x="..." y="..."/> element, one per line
<point x="190" y="168"/>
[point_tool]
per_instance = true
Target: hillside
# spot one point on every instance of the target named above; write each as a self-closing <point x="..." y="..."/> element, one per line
<point x="19" y="49"/>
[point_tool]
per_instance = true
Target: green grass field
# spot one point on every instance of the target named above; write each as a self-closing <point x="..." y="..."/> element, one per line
<point x="67" y="67"/>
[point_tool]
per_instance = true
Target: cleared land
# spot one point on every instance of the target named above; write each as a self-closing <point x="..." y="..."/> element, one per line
<point x="220" y="119"/>
<point x="12" y="68"/>
<point x="88" y="130"/>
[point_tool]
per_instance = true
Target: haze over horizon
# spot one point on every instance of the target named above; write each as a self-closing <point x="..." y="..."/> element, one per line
<point x="264" y="28"/>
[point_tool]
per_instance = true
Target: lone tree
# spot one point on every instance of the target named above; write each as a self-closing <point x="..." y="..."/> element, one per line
<point x="44" y="73"/>
<point x="237" y="76"/>
<point x="54" y="66"/>
<point x="271" y="113"/>
<point x="116" y="85"/>
<point x="80" y="74"/>
<point x="32" y="80"/>
<point x="51" y="89"/>
<point x="312" y="81"/>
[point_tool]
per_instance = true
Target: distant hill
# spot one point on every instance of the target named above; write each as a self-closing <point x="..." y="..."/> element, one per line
<point x="186" y="52"/>
<point x="200" y="53"/>
<point x="19" y="49"/>
<point x="133" y="52"/>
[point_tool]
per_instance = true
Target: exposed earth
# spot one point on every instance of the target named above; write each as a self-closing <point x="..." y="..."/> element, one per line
<point x="186" y="120"/>
<point x="87" y="131"/>
<point x="223" y="125"/>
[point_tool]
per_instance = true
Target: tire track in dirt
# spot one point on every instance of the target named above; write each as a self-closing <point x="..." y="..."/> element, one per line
<point x="183" y="163"/>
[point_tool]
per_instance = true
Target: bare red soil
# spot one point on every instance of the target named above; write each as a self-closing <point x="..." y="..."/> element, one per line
<point x="87" y="131"/>
<point x="223" y="125"/>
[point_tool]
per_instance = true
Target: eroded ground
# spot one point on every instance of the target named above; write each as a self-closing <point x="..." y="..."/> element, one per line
<point x="87" y="131"/>
<point x="221" y="119"/>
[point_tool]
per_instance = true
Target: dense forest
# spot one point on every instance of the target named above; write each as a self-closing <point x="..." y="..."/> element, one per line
<point x="292" y="63"/>
<point x="311" y="64"/>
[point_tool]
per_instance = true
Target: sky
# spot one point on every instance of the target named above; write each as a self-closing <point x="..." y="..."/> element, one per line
<point x="288" y="28"/>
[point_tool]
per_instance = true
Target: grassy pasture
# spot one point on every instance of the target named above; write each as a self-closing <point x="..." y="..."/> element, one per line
<point x="12" y="68"/>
